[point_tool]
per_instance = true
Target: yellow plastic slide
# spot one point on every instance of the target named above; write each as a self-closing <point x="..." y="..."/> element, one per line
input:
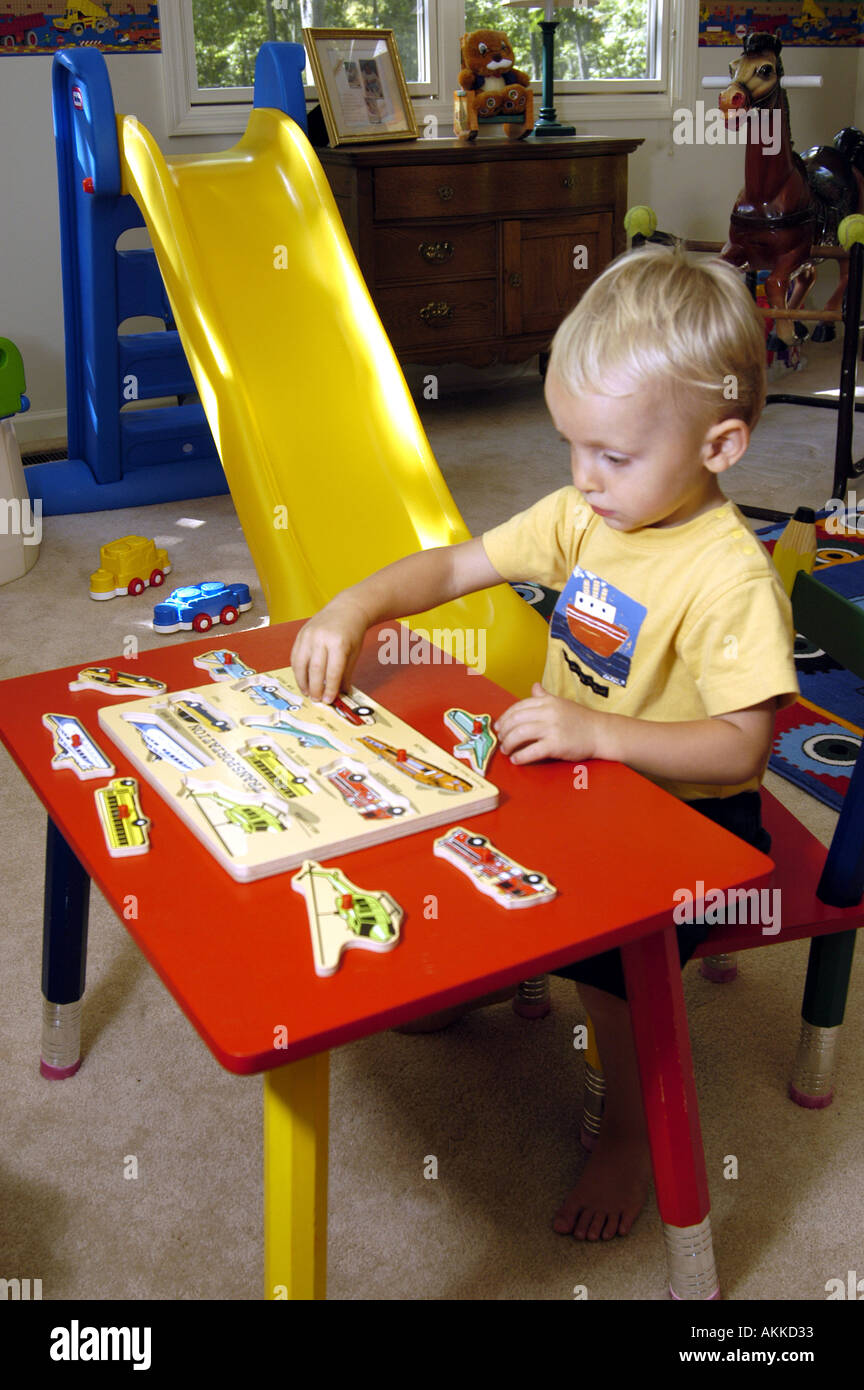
<point x="329" y="468"/>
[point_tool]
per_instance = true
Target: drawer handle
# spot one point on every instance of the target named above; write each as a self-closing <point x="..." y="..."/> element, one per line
<point x="514" y="280"/>
<point x="445" y="192"/>
<point x="439" y="312"/>
<point x="568" y="181"/>
<point x="436" y="252"/>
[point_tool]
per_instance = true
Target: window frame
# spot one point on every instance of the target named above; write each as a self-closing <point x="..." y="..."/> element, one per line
<point x="225" y="110"/>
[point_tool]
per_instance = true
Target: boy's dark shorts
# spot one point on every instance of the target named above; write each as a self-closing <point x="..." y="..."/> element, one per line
<point x="742" y="815"/>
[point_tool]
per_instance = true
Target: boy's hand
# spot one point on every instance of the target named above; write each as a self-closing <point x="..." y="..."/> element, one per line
<point x="546" y="726"/>
<point x="326" y="648"/>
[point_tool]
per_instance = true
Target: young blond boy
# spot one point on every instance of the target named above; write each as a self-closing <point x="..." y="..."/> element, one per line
<point x="671" y="646"/>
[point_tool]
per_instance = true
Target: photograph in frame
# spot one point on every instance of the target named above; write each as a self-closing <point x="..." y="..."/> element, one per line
<point x="361" y="86"/>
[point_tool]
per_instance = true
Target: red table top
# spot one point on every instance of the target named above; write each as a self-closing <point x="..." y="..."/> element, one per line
<point x="238" y="957"/>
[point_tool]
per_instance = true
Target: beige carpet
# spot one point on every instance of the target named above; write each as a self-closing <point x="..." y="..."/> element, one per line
<point x="495" y="1099"/>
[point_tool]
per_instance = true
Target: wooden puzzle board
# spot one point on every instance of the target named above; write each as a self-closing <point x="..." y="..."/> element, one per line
<point x="267" y="778"/>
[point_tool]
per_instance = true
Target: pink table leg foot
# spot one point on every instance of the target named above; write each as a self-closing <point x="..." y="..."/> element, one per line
<point x="61" y="1040"/>
<point x="718" y="969"/>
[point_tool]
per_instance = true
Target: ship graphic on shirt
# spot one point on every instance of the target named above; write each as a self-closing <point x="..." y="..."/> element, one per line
<point x="598" y="624"/>
<point x="591" y="619"/>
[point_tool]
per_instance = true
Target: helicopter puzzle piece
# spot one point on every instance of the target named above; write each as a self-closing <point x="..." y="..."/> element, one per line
<point x="493" y="872"/>
<point x="75" y="748"/>
<point x="222" y="665"/>
<point x="342" y="916"/>
<point x="478" y="741"/>
<point x="124" y="825"/>
<point x="109" y="681"/>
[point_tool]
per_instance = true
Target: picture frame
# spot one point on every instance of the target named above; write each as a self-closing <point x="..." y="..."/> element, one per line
<point x="361" y="85"/>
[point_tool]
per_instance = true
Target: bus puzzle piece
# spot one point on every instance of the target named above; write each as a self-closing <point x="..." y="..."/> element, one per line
<point x="491" y="871"/>
<point x="222" y="665"/>
<point x="74" y="747"/>
<point x="124" y="825"/>
<point x="342" y="916"/>
<point x="267" y="778"/>
<point x="478" y="741"/>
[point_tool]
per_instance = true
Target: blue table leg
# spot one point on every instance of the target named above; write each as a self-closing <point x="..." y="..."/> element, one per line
<point x="64" y="957"/>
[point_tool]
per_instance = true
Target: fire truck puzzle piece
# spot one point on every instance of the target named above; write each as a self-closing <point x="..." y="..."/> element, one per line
<point x="478" y="741"/>
<point x="109" y="681"/>
<point x="75" y="748"/>
<point x="124" y="825"/>
<point x="343" y="916"/>
<point x="222" y="665"/>
<point x="491" y="871"/>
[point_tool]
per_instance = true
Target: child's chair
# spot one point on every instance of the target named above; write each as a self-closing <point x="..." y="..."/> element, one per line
<point x="820" y="897"/>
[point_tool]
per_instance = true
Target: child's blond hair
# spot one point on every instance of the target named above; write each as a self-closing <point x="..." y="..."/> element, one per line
<point x="659" y="313"/>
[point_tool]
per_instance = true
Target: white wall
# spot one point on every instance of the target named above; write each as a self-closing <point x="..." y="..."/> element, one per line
<point x="692" y="189"/>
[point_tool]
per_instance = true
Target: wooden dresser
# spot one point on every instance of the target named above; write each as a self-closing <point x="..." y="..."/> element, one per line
<point x="474" y="253"/>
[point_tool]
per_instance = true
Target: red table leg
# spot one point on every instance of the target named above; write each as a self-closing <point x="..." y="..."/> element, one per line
<point x="653" y="975"/>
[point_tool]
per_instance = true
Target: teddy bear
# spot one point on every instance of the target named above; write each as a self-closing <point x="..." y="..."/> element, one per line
<point x="491" y="87"/>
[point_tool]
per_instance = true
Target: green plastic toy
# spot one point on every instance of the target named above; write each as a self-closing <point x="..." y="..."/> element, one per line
<point x="12" y="398"/>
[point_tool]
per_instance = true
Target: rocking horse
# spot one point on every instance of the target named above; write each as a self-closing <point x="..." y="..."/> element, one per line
<point x="788" y="203"/>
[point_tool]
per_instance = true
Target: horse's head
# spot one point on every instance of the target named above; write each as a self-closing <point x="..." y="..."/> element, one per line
<point x="755" y="76"/>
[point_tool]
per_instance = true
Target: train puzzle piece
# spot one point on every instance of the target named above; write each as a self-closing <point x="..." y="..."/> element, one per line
<point x="493" y="872"/>
<point x="124" y="825"/>
<point x="342" y="916"/>
<point x="478" y="741"/>
<point x="109" y="681"/>
<point x="75" y="748"/>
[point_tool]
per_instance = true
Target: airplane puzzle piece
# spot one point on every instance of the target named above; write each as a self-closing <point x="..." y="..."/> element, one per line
<point x="491" y="871"/>
<point x="222" y="665"/>
<point x="342" y="916"/>
<point x="112" y="682"/>
<point x="74" y="747"/>
<point x="478" y="741"/>
<point x="124" y="825"/>
<point x="306" y="734"/>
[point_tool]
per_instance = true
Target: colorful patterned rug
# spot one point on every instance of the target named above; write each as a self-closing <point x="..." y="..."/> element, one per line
<point x="817" y="739"/>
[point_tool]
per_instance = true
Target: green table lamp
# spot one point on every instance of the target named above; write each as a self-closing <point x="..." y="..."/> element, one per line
<point x="548" y="123"/>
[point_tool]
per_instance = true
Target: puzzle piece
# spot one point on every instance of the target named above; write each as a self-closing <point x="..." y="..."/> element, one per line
<point x="124" y="825"/>
<point x="109" y="681"/>
<point x="493" y="872"/>
<point x="479" y="742"/>
<point x="342" y="916"/>
<point x="74" y="747"/>
<point x="222" y="665"/>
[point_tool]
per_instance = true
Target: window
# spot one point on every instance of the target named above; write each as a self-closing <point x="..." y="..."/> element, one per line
<point x="613" y="61"/>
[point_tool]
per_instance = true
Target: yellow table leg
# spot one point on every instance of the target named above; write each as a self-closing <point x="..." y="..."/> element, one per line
<point x="295" y="1179"/>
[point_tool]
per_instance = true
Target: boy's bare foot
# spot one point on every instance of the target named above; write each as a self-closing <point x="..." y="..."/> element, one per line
<point x="611" y="1191"/>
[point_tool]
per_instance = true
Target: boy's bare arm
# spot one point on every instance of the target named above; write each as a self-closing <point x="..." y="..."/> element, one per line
<point x="327" y="646"/>
<point x="724" y="750"/>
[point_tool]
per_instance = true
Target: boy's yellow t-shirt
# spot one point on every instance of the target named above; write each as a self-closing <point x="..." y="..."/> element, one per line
<point x="665" y="623"/>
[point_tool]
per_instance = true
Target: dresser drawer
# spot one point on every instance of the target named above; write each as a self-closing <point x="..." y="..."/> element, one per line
<point x="404" y="192"/>
<point x="457" y="311"/>
<point x="436" y="251"/>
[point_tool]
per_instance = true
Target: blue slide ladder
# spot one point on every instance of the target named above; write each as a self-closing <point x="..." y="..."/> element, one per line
<point x="133" y="457"/>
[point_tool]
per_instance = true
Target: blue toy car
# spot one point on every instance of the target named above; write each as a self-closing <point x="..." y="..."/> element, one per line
<point x="199" y="606"/>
